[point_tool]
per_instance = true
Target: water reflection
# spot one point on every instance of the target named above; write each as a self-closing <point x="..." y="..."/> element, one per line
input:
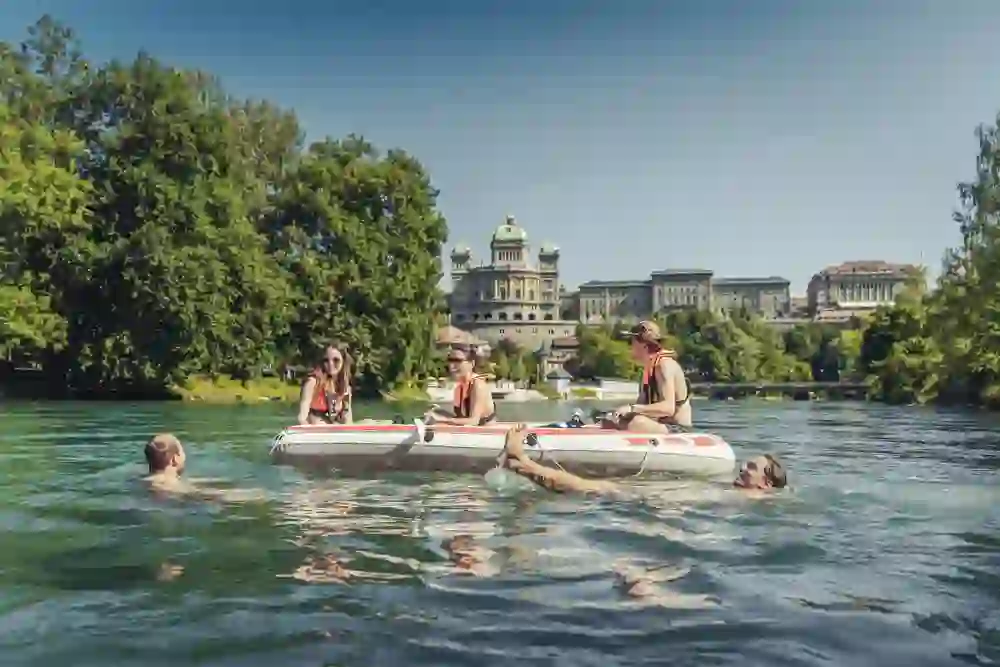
<point x="884" y="551"/>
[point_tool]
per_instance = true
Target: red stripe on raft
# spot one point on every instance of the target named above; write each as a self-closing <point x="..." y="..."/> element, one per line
<point x="699" y="440"/>
<point x="488" y="430"/>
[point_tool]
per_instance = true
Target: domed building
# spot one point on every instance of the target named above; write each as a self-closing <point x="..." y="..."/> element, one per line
<point x="513" y="297"/>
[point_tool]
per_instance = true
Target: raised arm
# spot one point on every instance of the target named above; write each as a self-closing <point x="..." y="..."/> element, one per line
<point x="559" y="481"/>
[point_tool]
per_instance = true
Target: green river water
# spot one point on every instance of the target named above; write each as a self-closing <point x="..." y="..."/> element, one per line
<point x="884" y="551"/>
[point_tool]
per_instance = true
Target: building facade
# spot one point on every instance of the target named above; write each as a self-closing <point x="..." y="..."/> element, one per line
<point x="768" y="297"/>
<point x="514" y="296"/>
<point x="624" y="300"/>
<point x="857" y="286"/>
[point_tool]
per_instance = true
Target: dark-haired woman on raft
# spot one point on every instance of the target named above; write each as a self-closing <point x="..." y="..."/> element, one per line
<point x="326" y="393"/>
<point x="664" y="402"/>
<point x="473" y="402"/>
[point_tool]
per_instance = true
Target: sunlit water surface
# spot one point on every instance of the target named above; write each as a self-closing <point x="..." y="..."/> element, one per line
<point x="884" y="551"/>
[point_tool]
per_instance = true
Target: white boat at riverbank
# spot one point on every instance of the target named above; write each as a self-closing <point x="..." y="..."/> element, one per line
<point x="587" y="450"/>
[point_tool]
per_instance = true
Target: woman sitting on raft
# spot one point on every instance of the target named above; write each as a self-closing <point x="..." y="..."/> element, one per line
<point x="664" y="403"/>
<point x="326" y="393"/>
<point x="473" y="402"/>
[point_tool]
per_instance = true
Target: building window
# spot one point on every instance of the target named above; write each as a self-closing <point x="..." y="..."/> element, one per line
<point x="501" y="332"/>
<point x="517" y="316"/>
<point x="531" y="316"/>
<point x="552" y="332"/>
<point x="548" y="317"/>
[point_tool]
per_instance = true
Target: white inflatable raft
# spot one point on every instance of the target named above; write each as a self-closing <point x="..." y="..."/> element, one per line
<point x="586" y="450"/>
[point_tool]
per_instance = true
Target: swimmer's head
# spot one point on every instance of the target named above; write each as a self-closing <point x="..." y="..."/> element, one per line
<point x="164" y="452"/>
<point x="761" y="472"/>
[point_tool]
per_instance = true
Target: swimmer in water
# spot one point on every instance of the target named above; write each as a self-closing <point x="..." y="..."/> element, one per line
<point x="761" y="472"/>
<point x="166" y="458"/>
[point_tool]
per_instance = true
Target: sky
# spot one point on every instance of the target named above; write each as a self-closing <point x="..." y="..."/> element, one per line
<point x="772" y="137"/>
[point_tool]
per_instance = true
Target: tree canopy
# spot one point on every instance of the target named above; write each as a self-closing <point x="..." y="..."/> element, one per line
<point x="152" y="228"/>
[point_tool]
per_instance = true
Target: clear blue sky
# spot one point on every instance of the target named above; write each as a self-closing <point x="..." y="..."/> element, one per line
<point x="750" y="138"/>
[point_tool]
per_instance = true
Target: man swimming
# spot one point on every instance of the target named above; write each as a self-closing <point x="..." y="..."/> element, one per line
<point x="166" y="458"/>
<point x="762" y="472"/>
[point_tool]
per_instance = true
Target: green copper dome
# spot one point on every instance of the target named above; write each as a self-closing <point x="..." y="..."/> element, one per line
<point x="510" y="231"/>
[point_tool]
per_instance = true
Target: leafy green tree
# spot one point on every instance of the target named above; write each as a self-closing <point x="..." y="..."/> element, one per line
<point x="43" y="210"/>
<point x="154" y="228"/>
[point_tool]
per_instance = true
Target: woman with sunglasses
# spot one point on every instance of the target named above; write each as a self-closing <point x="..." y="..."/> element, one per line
<point x="326" y="393"/>
<point x="473" y="403"/>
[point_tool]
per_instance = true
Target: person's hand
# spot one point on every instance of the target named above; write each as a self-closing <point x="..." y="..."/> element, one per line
<point x="623" y="411"/>
<point x="514" y="444"/>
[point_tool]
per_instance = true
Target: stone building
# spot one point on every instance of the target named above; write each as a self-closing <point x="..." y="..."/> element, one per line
<point x="857" y="286"/>
<point x="768" y="297"/>
<point x="628" y="300"/>
<point x="513" y="296"/>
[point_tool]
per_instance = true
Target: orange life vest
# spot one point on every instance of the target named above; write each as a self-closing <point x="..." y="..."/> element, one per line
<point x="462" y="402"/>
<point x="332" y="406"/>
<point x="649" y="389"/>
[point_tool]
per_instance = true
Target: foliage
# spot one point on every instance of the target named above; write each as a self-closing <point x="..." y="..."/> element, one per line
<point x="153" y="229"/>
<point x="510" y="362"/>
<point x="711" y="348"/>
<point x="940" y="345"/>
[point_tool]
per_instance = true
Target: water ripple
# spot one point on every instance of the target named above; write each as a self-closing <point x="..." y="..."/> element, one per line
<point x="883" y="551"/>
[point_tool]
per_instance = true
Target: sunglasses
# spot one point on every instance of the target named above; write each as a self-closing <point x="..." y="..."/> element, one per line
<point x="456" y="360"/>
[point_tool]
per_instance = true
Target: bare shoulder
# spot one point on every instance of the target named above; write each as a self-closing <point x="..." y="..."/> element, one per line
<point x="669" y="367"/>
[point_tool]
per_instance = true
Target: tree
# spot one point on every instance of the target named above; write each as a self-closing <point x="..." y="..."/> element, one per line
<point x="43" y="211"/>
<point x="154" y="228"/>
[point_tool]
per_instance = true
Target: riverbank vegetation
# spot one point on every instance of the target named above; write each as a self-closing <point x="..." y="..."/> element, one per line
<point x="159" y="236"/>
<point x="939" y="345"/>
<point x="156" y="229"/>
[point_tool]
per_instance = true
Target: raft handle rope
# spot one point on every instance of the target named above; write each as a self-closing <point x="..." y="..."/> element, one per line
<point x="277" y="443"/>
<point x="598" y="416"/>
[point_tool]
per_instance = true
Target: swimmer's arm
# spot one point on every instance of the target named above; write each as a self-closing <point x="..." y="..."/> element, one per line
<point x="668" y="406"/>
<point x="559" y="481"/>
<point x="305" y="398"/>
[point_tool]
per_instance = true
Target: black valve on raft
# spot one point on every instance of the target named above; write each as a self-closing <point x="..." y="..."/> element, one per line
<point x="531" y="440"/>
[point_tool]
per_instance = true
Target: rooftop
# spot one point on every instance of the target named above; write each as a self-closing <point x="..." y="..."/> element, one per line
<point x="683" y="272"/>
<point x="770" y="280"/>
<point x="510" y="231"/>
<point x="615" y="283"/>
<point x="867" y="267"/>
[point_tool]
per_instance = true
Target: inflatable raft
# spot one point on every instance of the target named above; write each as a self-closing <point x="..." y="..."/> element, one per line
<point x="585" y="450"/>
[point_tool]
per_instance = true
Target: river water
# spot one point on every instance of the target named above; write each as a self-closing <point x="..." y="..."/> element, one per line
<point x="884" y="551"/>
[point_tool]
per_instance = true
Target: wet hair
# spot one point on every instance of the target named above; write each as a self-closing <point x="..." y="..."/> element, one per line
<point x="775" y="472"/>
<point x="340" y="382"/>
<point x="160" y="449"/>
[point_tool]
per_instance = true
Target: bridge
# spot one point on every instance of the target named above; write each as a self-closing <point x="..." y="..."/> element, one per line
<point x="796" y="389"/>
